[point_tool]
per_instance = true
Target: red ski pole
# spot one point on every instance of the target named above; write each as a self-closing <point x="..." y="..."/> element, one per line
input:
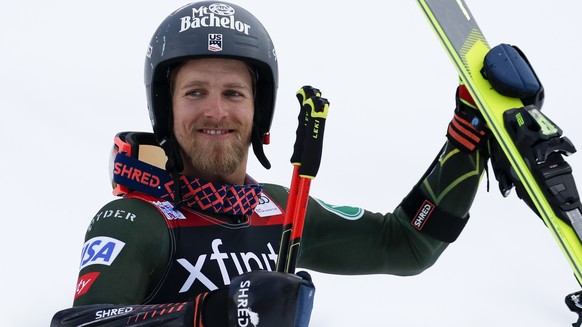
<point x="304" y="113"/>
<point x="307" y="170"/>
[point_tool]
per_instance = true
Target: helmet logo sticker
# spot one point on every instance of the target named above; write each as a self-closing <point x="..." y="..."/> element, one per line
<point x="149" y="51"/>
<point x="215" y="42"/>
<point x="215" y="15"/>
<point x="221" y="9"/>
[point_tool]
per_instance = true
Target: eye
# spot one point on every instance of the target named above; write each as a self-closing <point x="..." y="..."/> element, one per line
<point x="236" y="94"/>
<point x="232" y="93"/>
<point x="196" y="93"/>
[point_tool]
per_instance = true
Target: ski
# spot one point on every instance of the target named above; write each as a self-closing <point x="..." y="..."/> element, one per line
<point x="531" y="144"/>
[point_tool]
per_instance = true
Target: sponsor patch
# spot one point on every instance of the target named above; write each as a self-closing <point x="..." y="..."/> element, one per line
<point x="120" y="214"/>
<point x="112" y="312"/>
<point x="215" y="42"/>
<point x="215" y="15"/>
<point x="100" y="250"/>
<point x="346" y="212"/>
<point x="267" y="207"/>
<point x="225" y="260"/>
<point x="245" y="315"/>
<point x="84" y="283"/>
<point x="168" y="210"/>
<point x="135" y="175"/>
<point x="423" y="214"/>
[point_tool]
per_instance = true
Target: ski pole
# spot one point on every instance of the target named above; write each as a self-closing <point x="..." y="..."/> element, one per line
<point x="310" y="161"/>
<point x="304" y="115"/>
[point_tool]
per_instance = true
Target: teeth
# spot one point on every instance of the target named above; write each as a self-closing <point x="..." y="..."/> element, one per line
<point x="214" y="132"/>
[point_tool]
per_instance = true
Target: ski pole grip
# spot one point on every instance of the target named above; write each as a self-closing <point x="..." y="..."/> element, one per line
<point x="302" y="95"/>
<point x="313" y="145"/>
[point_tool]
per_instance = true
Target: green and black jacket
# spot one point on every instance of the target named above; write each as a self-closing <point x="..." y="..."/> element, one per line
<point x="139" y="251"/>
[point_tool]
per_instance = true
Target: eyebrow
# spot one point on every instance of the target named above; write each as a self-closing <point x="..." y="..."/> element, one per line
<point x="192" y="83"/>
<point x="235" y="85"/>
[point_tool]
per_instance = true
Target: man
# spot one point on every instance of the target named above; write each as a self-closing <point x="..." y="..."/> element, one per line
<point x="193" y="240"/>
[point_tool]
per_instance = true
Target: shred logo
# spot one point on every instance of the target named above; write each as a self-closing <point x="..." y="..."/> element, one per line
<point x="136" y="175"/>
<point x="346" y="212"/>
<point x="243" y="311"/>
<point x="101" y="250"/>
<point x="215" y="15"/>
<point x="423" y="214"/>
<point x="84" y="283"/>
<point x="215" y="42"/>
<point x="112" y="312"/>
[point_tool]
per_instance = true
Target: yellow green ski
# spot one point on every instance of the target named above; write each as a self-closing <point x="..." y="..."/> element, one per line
<point x="467" y="47"/>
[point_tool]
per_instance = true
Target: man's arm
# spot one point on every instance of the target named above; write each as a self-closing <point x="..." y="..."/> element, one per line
<point x="371" y="243"/>
<point x="273" y="298"/>
<point x="412" y="237"/>
<point x="126" y="250"/>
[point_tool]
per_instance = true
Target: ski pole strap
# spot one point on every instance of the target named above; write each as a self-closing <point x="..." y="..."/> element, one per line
<point x="427" y="217"/>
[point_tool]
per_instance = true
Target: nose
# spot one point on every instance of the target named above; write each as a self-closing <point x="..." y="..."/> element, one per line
<point x="215" y="107"/>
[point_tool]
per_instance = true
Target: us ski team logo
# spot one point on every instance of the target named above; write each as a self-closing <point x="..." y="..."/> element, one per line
<point x="100" y="250"/>
<point x="215" y="42"/>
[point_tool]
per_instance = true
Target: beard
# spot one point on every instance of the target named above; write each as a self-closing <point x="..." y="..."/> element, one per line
<point x="214" y="157"/>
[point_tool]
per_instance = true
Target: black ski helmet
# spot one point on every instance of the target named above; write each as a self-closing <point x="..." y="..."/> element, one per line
<point x="210" y="29"/>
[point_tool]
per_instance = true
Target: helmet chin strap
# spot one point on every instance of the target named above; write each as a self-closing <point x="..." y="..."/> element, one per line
<point x="257" y="142"/>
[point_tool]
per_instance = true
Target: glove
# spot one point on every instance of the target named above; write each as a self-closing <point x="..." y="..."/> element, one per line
<point x="467" y="131"/>
<point x="271" y="298"/>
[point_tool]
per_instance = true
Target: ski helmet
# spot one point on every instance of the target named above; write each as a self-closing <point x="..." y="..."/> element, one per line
<point x="210" y="29"/>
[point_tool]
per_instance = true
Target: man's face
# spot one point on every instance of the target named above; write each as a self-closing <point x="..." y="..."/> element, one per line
<point x="213" y="107"/>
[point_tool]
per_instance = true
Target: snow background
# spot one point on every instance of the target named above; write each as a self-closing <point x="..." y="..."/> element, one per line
<point x="72" y="77"/>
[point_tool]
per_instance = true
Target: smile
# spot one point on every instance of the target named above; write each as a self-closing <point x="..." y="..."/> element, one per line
<point x="215" y="131"/>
